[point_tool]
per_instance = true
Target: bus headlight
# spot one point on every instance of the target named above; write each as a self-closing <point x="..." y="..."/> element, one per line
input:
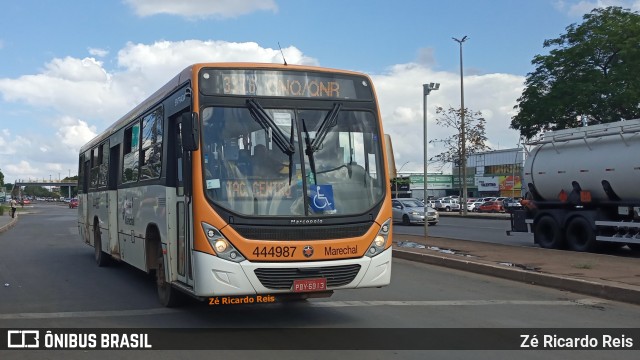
<point x="377" y="246"/>
<point x="221" y="245"/>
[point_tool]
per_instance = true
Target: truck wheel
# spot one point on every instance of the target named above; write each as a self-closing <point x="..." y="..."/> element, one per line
<point x="547" y="233"/>
<point x="580" y="235"/>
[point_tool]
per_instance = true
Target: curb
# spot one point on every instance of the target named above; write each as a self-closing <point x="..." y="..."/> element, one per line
<point x="471" y="215"/>
<point x="8" y="226"/>
<point x="600" y="290"/>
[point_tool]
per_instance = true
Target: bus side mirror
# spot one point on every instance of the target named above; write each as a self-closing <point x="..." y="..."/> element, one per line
<point x="190" y="131"/>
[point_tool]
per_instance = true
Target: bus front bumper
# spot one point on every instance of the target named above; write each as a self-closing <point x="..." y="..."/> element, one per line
<point x="218" y="277"/>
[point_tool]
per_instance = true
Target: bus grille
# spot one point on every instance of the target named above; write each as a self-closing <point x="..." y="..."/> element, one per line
<point x="282" y="279"/>
<point x="290" y="233"/>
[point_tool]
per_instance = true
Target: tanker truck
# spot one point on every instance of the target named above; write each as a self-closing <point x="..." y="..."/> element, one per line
<point x="583" y="188"/>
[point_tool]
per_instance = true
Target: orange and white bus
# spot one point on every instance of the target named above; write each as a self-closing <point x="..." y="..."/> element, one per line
<point x="244" y="179"/>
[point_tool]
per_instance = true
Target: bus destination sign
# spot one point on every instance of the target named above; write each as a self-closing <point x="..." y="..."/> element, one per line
<point x="284" y="84"/>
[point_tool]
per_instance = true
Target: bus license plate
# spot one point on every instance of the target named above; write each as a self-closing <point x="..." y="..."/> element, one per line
<point x="308" y="285"/>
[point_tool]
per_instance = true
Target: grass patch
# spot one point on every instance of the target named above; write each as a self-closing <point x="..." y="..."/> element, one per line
<point x="587" y="265"/>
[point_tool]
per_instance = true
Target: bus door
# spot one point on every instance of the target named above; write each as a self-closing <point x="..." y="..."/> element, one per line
<point x="183" y="209"/>
<point x="83" y="199"/>
<point x="112" y="193"/>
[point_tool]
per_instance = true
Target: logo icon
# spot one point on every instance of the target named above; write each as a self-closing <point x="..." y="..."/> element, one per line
<point x="307" y="251"/>
<point x="20" y="339"/>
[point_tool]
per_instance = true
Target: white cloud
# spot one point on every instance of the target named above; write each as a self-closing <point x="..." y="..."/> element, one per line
<point x="98" y="52"/>
<point x="21" y="170"/>
<point x="73" y="133"/>
<point x="201" y="8"/>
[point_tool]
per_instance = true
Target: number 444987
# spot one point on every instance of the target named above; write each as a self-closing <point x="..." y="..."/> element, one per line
<point x="274" y="251"/>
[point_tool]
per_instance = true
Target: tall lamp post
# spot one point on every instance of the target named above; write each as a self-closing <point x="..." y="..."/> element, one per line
<point x="463" y="141"/>
<point x="426" y="90"/>
<point x="397" y="177"/>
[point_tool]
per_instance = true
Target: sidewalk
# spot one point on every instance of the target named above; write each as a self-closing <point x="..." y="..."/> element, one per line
<point x="6" y="222"/>
<point x="614" y="277"/>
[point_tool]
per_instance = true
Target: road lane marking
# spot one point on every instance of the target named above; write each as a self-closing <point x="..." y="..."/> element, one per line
<point x="319" y="304"/>
<point x="579" y="302"/>
<point x="85" y="314"/>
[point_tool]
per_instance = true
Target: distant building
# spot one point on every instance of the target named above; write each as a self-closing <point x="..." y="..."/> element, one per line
<point x="491" y="173"/>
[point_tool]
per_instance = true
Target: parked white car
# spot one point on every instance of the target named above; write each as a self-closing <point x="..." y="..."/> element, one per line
<point x="474" y="205"/>
<point x="447" y="204"/>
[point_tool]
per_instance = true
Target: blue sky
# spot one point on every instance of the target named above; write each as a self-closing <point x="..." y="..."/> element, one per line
<point x="70" y="68"/>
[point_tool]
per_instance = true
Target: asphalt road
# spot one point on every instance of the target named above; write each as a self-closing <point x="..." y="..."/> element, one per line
<point x="52" y="282"/>
<point x="472" y="229"/>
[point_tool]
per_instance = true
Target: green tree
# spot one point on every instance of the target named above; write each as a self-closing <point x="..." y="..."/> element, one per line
<point x="590" y="72"/>
<point x="475" y="136"/>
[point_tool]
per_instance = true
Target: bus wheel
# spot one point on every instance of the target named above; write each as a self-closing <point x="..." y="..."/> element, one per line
<point x="547" y="233"/>
<point x="102" y="258"/>
<point x="168" y="296"/>
<point x="580" y="235"/>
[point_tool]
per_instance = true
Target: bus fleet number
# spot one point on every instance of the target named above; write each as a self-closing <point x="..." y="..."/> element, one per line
<point x="274" y="251"/>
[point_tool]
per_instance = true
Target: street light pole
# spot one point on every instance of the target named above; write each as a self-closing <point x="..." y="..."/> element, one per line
<point x="426" y="90"/>
<point x="463" y="141"/>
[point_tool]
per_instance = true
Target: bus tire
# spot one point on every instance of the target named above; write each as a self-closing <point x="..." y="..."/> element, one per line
<point x="167" y="294"/>
<point x="547" y="233"/>
<point x="580" y="235"/>
<point x="102" y="258"/>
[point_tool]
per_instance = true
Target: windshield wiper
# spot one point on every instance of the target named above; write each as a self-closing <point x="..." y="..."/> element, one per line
<point x="267" y="123"/>
<point x="262" y="117"/>
<point x="309" y="151"/>
<point x="329" y="122"/>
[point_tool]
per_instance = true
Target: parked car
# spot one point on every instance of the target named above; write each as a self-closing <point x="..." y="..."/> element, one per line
<point x="474" y="205"/>
<point x="447" y="204"/>
<point x="73" y="203"/>
<point x="511" y="204"/>
<point x="432" y="203"/>
<point x="411" y="211"/>
<point x="491" y="206"/>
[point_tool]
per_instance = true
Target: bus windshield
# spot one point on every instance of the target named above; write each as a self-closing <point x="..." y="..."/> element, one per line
<point x="292" y="162"/>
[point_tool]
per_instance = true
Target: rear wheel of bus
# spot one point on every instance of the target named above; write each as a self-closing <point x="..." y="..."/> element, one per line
<point x="102" y="258"/>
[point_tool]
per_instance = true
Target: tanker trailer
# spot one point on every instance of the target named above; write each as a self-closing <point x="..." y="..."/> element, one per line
<point x="583" y="188"/>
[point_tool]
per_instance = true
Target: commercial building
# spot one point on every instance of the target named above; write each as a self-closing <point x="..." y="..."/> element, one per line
<point x="491" y="173"/>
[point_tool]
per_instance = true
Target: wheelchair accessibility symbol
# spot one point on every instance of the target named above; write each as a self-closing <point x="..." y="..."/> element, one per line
<point x="321" y="199"/>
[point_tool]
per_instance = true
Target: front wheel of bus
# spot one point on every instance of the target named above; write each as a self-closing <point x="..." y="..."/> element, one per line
<point x="168" y="296"/>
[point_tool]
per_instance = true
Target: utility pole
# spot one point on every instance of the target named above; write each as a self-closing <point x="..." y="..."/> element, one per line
<point x="463" y="141"/>
<point x="426" y="90"/>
